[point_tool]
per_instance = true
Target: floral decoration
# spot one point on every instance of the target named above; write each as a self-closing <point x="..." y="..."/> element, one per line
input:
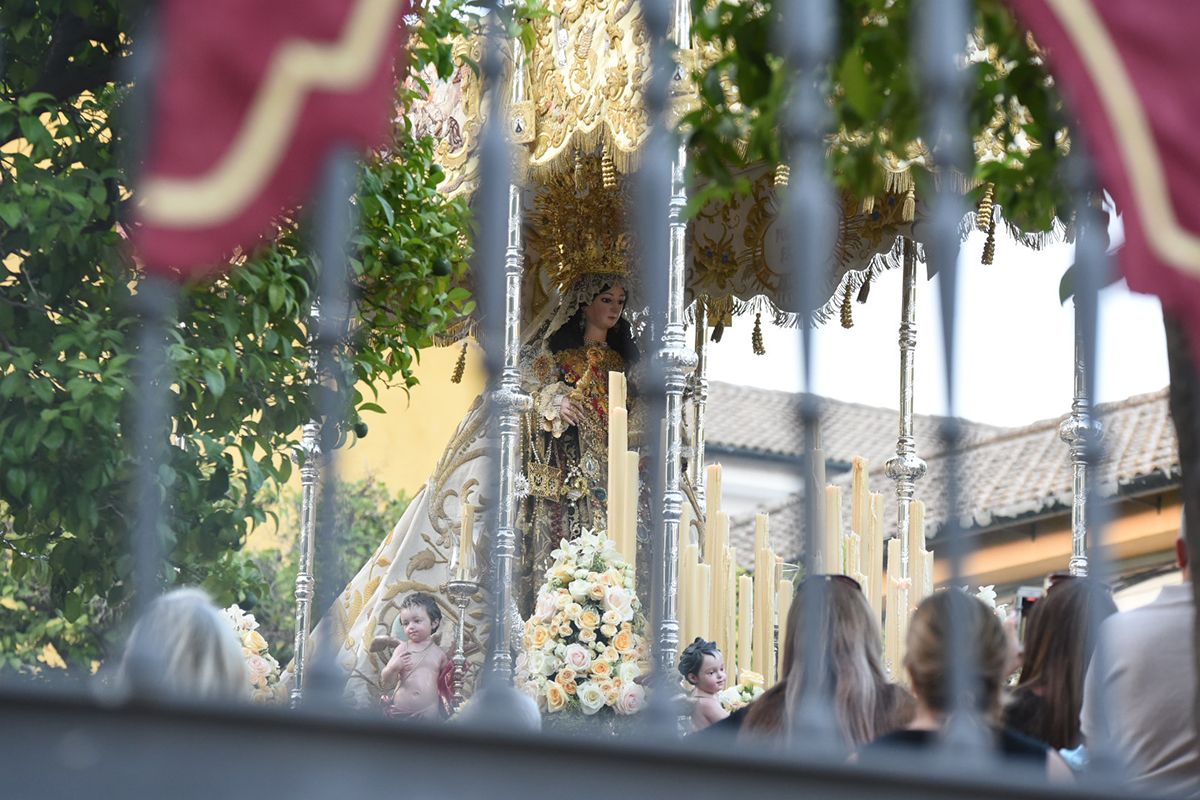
<point x="584" y="646"/>
<point x="261" y="666"/>
<point x="748" y="688"/>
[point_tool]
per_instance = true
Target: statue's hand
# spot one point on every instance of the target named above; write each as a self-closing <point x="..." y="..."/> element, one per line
<point x="380" y="643"/>
<point x="569" y="411"/>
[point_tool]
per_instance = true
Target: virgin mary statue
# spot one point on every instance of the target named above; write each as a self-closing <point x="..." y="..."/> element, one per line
<point x="563" y="456"/>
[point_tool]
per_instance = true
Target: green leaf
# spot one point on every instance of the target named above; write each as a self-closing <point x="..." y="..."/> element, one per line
<point x="215" y="382"/>
<point x="388" y="211"/>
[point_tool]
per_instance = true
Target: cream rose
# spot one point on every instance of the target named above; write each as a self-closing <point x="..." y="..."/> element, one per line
<point x="572" y="610"/>
<point x="539" y="636"/>
<point x="601" y="669"/>
<point x="258" y="668"/>
<point x="619" y="600"/>
<point x="591" y="698"/>
<point x="611" y="618"/>
<point x="578" y="657"/>
<point x="587" y="635"/>
<point x="589" y="619"/>
<point x="608" y="630"/>
<point x="256" y="642"/>
<point x="578" y="588"/>
<point x="595" y="593"/>
<point x="547" y="604"/>
<point x="631" y="698"/>
<point x="629" y="671"/>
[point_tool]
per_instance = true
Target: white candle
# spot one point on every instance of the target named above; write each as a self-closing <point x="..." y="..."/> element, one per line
<point x="630" y="507"/>
<point x="712" y="504"/>
<point x="833" y="530"/>
<point x="690" y="618"/>
<point x="764" y="573"/>
<point x="465" y="541"/>
<point x="730" y="634"/>
<point x="703" y="592"/>
<point x="745" y="631"/>
<point x="784" y="601"/>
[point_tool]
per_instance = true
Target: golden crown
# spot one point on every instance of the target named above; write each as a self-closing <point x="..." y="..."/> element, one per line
<point x="580" y="216"/>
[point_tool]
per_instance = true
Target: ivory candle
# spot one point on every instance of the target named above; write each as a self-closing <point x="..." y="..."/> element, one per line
<point x="896" y="610"/>
<point x="784" y="601"/>
<point x="860" y="497"/>
<point x="731" y="586"/>
<point x="916" y="547"/>
<point x="722" y="591"/>
<point x="690" y="618"/>
<point x="745" y="630"/>
<point x="618" y="443"/>
<point x="466" y="541"/>
<point x="833" y="530"/>
<point x="712" y="505"/>
<point x="764" y="572"/>
<point x="703" y="592"/>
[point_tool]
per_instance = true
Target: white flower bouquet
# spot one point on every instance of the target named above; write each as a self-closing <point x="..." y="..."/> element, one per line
<point x="748" y="688"/>
<point x="261" y="666"/>
<point x="584" y="645"/>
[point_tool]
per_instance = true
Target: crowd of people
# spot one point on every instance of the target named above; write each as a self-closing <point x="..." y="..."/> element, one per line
<point x="1085" y="683"/>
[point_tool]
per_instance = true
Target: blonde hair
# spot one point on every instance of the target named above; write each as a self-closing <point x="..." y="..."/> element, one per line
<point x="188" y="649"/>
<point x="867" y="706"/>
<point x="928" y="657"/>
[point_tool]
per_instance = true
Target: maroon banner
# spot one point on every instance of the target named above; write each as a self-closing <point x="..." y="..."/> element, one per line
<point x="249" y="98"/>
<point x="1130" y="71"/>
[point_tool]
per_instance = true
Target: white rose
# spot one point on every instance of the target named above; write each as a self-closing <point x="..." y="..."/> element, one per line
<point x="730" y="696"/>
<point x="577" y="657"/>
<point x="628" y="671"/>
<point x="591" y="697"/>
<point x="579" y="588"/>
<point x="631" y="699"/>
<point x="258" y="668"/>
<point x="619" y="600"/>
<point x="547" y="604"/>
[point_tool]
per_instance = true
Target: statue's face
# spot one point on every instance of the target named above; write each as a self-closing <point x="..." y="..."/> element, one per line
<point x="605" y="310"/>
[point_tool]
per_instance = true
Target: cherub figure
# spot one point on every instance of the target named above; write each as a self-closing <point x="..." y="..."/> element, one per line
<point x="415" y="681"/>
<point x="703" y="666"/>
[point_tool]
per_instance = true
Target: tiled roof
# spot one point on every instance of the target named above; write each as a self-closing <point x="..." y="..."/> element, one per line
<point x="751" y="421"/>
<point x="1016" y="474"/>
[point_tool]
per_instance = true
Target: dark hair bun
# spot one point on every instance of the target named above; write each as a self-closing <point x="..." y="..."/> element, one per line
<point x="693" y="655"/>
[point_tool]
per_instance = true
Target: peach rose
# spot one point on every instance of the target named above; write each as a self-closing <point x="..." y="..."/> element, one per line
<point x="587" y="635"/>
<point x="540" y="635"/>
<point x="623" y="641"/>
<point x="611" y="618"/>
<point x="556" y="698"/>
<point x="572" y="610"/>
<point x="601" y="669"/>
<point x="596" y="592"/>
<point x="589" y="619"/>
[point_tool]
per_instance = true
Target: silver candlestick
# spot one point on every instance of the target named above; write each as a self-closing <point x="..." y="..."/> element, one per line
<point x="460" y="592"/>
<point x="1080" y="431"/>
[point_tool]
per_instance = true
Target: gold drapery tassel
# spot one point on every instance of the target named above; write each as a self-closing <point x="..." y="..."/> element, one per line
<point x="987" y="205"/>
<point x="460" y="366"/>
<point x="989" y="246"/>
<point x="579" y="180"/>
<point x="868" y="204"/>
<point x="783" y="173"/>
<point x="847" y="312"/>
<point x="908" y="211"/>
<point x="756" y="339"/>
<point x="608" y="170"/>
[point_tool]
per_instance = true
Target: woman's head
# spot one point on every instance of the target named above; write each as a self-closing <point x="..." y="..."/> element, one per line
<point x="191" y="649"/>
<point x="928" y="657"/>
<point x="1059" y="642"/>
<point x="604" y="311"/>
<point x="702" y="665"/>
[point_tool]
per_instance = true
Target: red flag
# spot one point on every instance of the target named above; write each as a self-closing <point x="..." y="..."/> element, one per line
<point x="1130" y="72"/>
<point x="249" y="98"/>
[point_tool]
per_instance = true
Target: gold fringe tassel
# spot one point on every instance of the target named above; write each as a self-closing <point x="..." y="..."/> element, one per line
<point x="608" y="170"/>
<point x="847" y="313"/>
<point x="783" y="173"/>
<point x="460" y="366"/>
<point x="756" y="338"/>
<point x="989" y="246"/>
<point x="908" y="211"/>
<point x="987" y="203"/>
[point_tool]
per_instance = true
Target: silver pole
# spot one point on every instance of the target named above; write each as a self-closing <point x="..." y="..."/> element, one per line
<point x="1078" y="431"/>
<point x="906" y="467"/>
<point x="678" y="361"/>
<point x="699" y="403"/>
<point x="310" y="473"/>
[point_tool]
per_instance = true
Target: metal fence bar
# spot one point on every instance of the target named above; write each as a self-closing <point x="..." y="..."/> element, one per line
<point x="499" y="290"/>
<point x="941" y="36"/>
<point x="807" y="42"/>
<point x="334" y="222"/>
<point x="1092" y="267"/>
<point x="653" y="203"/>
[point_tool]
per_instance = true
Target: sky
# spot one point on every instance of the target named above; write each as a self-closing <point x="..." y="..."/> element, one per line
<point x="1015" y="343"/>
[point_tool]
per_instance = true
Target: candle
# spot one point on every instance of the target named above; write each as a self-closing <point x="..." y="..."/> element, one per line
<point x="681" y="568"/>
<point x="916" y="550"/>
<point x="833" y="530"/>
<point x="784" y="601"/>
<point x="690" y="619"/>
<point x="873" y="555"/>
<point x="703" y="591"/>
<point x="860" y="497"/>
<point x="764" y="573"/>
<point x="465" y="541"/>
<point x="719" y="526"/>
<point x="897" y="612"/>
<point x="745" y="631"/>
<point x="852" y="553"/>
<point x="618" y="443"/>
<point x="712" y="505"/>
<point x="730" y="634"/>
